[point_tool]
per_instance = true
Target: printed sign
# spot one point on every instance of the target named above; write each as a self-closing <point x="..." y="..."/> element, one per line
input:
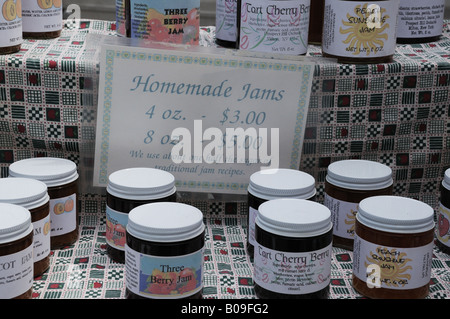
<point x="211" y="119"/>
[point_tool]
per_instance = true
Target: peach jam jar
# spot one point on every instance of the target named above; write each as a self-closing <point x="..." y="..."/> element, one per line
<point x="346" y="184"/>
<point x="272" y="184"/>
<point x="164" y="252"/>
<point x="443" y="220"/>
<point x="393" y="248"/>
<point x="293" y="250"/>
<point x="127" y="189"/>
<point x="360" y="31"/>
<point x="32" y="195"/>
<point x="16" y="252"/>
<point x="61" y="177"/>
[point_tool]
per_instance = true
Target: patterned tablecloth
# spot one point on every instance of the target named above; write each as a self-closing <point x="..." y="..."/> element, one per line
<point x="397" y="114"/>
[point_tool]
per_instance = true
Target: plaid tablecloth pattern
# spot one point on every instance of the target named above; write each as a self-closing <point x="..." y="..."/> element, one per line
<point x="397" y="114"/>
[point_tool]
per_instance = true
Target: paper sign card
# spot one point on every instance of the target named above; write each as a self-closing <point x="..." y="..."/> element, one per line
<point x="209" y="119"/>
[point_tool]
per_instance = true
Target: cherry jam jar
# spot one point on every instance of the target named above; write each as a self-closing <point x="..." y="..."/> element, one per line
<point x="292" y="258"/>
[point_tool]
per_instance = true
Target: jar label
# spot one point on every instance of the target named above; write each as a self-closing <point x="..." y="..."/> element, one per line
<point x="42" y="15"/>
<point x="163" y="277"/>
<point x="275" y="26"/>
<point x="343" y="216"/>
<point x="392" y="267"/>
<point x="292" y="273"/>
<point x="121" y="18"/>
<point x="41" y="238"/>
<point x="360" y="29"/>
<point x="443" y="225"/>
<point x="175" y="21"/>
<point x="226" y="12"/>
<point x="116" y="224"/>
<point x="11" y="24"/>
<point x="63" y="215"/>
<point x="252" y="213"/>
<point x="419" y="19"/>
<point x="16" y="273"/>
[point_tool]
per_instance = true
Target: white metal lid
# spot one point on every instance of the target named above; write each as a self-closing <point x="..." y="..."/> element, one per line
<point x="50" y="170"/>
<point x="141" y="183"/>
<point x="26" y="192"/>
<point x="292" y="217"/>
<point x="165" y="222"/>
<point x="395" y="214"/>
<point x="15" y="222"/>
<point x="280" y="182"/>
<point x="446" y="180"/>
<point x="359" y="175"/>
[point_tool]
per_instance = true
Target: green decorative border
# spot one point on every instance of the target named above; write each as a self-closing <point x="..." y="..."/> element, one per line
<point x="112" y="55"/>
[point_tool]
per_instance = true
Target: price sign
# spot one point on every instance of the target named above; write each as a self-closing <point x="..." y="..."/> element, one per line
<point x="211" y="119"/>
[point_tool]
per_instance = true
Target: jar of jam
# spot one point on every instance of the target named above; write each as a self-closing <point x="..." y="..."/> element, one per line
<point x="360" y="31"/>
<point x="272" y="184"/>
<point x="61" y="177"/>
<point x="121" y="18"/>
<point x="127" y="189"/>
<point x="164" y="252"/>
<point x="16" y="252"/>
<point x="11" y="22"/>
<point x="32" y="195"/>
<point x="226" y="14"/>
<point x="293" y="250"/>
<point x="443" y="220"/>
<point x="316" y="22"/>
<point x="420" y="22"/>
<point x="273" y="26"/>
<point x="346" y="184"/>
<point x="393" y="248"/>
<point x="42" y="19"/>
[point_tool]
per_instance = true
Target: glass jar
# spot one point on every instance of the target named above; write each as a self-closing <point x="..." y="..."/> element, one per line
<point x="42" y="19"/>
<point x="127" y="189"/>
<point x="293" y="251"/>
<point x="272" y="184"/>
<point x="164" y="252"/>
<point x="273" y="26"/>
<point x="226" y="14"/>
<point x="16" y="252"/>
<point x="360" y="31"/>
<point x="11" y="22"/>
<point x="61" y="177"/>
<point x="121" y="28"/>
<point x="32" y="195"/>
<point x="316" y="22"/>
<point x="346" y="184"/>
<point x="443" y="220"/>
<point x="164" y="21"/>
<point x="393" y="248"/>
<point x="420" y="22"/>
